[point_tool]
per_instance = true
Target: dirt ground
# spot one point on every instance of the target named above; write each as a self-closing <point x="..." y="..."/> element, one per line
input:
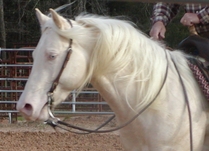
<point x="33" y="136"/>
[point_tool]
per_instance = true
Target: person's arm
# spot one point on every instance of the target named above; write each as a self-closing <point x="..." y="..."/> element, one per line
<point x="190" y="19"/>
<point x="203" y="15"/>
<point x="200" y="17"/>
<point x="162" y="15"/>
<point x="164" y="12"/>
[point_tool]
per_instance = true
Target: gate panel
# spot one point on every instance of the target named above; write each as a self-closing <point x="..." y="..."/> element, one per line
<point x="15" y="68"/>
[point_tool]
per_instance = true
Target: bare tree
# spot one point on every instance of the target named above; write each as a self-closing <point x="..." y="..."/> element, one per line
<point x="91" y="6"/>
<point x="2" y="26"/>
<point x="98" y="7"/>
<point x="81" y="6"/>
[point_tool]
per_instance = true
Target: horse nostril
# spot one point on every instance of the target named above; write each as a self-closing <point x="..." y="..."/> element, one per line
<point x="27" y="110"/>
<point x="28" y="107"/>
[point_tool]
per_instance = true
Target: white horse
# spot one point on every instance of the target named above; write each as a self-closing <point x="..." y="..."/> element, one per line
<point x="128" y="70"/>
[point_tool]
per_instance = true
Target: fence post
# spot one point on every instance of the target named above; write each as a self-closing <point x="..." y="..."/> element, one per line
<point x="74" y="100"/>
<point x="0" y="55"/>
<point x="10" y="117"/>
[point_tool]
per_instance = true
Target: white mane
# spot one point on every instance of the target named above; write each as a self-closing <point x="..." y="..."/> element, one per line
<point x="119" y="46"/>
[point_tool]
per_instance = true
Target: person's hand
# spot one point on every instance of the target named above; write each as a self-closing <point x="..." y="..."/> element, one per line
<point x="190" y="19"/>
<point x="158" y="31"/>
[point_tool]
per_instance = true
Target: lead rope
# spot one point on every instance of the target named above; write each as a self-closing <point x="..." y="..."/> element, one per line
<point x="188" y="106"/>
<point x="85" y="131"/>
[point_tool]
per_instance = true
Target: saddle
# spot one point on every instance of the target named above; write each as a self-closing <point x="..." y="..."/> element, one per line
<point x="196" y="46"/>
<point x="199" y="48"/>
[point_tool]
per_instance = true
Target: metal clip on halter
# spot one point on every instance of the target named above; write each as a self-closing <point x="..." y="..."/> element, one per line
<point x="50" y="99"/>
<point x="52" y="121"/>
<point x="0" y="55"/>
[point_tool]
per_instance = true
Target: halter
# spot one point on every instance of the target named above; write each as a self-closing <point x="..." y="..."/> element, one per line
<point x="55" y="122"/>
<point x="56" y="81"/>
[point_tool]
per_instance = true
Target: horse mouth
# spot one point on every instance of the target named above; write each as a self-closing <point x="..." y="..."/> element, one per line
<point x="44" y="113"/>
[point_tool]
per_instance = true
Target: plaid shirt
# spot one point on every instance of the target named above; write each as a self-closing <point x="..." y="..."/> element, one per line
<point x="165" y="12"/>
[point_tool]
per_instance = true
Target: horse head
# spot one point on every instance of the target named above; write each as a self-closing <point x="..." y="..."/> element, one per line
<point x="49" y="57"/>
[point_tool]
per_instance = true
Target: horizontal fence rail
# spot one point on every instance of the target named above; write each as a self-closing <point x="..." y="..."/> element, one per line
<point x="15" y="67"/>
<point x="72" y="111"/>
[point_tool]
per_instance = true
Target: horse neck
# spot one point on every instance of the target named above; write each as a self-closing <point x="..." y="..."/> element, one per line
<point x="116" y="93"/>
<point x="113" y="93"/>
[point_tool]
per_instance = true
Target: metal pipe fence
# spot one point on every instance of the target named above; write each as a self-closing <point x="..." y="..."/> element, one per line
<point x="15" y="67"/>
<point x="71" y="111"/>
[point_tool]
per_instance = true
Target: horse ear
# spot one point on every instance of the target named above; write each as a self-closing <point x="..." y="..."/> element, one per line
<point x="57" y="19"/>
<point x="41" y="17"/>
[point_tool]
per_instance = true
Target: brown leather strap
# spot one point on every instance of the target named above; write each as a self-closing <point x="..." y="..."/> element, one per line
<point x="56" y="81"/>
<point x="69" y="51"/>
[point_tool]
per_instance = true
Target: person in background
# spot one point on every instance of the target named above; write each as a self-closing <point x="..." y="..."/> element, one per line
<point x="196" y="15"/>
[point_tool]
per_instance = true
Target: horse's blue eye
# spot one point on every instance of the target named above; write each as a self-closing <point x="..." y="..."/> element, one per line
<point x="52" y="56"/>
